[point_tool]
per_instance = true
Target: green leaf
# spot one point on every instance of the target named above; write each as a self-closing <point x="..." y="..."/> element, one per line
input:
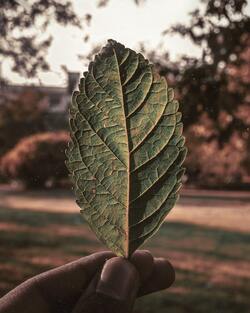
<point x="127" y="149"/>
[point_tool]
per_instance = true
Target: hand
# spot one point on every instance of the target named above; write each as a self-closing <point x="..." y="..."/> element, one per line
<point x="98" y="283"/>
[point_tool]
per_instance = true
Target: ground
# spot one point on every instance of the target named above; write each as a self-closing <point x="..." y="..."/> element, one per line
<point x="206" y="237"/>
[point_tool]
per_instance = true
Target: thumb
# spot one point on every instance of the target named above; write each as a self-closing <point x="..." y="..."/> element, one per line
<point x="114" y="290"/>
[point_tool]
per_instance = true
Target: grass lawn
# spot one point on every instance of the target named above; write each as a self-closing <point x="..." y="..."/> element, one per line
<point x="206" y="238"/>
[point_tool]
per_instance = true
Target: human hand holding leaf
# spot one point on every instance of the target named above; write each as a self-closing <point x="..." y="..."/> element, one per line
<point x="127" y="149"/>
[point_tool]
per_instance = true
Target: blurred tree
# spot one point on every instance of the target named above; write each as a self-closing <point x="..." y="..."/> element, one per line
<point x="21" y="116"/>
<point x="215" y="83"/>
<point x="103" y="3"/>
<point x="37" y="159"/>
<point x="22" y="28"/>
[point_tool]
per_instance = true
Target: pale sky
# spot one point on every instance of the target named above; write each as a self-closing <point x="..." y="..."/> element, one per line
<point x="121" y="20"/>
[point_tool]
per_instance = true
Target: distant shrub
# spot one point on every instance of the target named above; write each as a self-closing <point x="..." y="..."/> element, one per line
<point x="37" y="159"/>
<point x="212" y="166"/>
<point x="246" y="160"/>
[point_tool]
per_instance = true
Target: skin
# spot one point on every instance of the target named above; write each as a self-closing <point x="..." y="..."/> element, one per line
<point x="100" y="282"/>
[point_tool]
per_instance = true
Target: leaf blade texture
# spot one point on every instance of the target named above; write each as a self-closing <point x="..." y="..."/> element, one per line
<point x="126" y="150"/>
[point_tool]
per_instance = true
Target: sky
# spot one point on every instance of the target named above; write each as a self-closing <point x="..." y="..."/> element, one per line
<point x="121" y="20"/>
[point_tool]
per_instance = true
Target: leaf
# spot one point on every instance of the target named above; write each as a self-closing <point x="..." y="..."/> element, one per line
<point x="127" y="149"/>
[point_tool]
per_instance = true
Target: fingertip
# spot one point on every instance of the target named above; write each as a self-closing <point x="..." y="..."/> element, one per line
<point x="142" y="254"/>
<point x="162" y="277"/>
<point x="143" y="261"/>
<point x="119" y="279"/>
<point x="164" y="272"/>
<point x="114" y="289"/>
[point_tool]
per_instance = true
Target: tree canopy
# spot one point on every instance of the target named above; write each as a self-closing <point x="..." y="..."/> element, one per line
<point x="22" y="31"/>
<point x="216" y="83"/>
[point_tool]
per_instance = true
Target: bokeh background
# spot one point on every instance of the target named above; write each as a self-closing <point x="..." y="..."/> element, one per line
<point x="202" y="47"/>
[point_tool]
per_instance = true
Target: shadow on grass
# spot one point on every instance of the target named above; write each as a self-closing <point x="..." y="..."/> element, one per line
<point x="38" y="218"/>
<point x="37" y="241"/>
<point x="203" y="241"/>
<point x="197" y="288"/>
<point x="215" y="300"/>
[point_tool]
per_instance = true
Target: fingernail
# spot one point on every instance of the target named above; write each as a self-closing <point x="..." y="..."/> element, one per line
<point x="119" y="279"/>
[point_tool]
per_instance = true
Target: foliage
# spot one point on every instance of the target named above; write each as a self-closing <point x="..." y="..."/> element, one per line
<point x="22" y="28"/>
<point x="37" y="159"/>
<point x="103" y="3"/>
<point x="214" y="166"/>
<point x="127" y="151"/>
<point x="24" y="113"/>
<point x="246" y="160"/>
<point x="215" y="83"/>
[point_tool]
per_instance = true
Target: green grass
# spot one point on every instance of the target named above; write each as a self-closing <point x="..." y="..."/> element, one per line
<point x="211" y="267"/>
<point x="212" y="264"/>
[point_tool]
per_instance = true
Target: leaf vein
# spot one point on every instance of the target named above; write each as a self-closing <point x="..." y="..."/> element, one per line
<point x="149" y="132"/>
<point x="96" y="132"/>
<point x="157" y="180"/>
<point x="87" y="167"/>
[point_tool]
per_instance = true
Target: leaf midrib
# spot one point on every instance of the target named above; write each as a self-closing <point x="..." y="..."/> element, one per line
<point x="128" y="165"/>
